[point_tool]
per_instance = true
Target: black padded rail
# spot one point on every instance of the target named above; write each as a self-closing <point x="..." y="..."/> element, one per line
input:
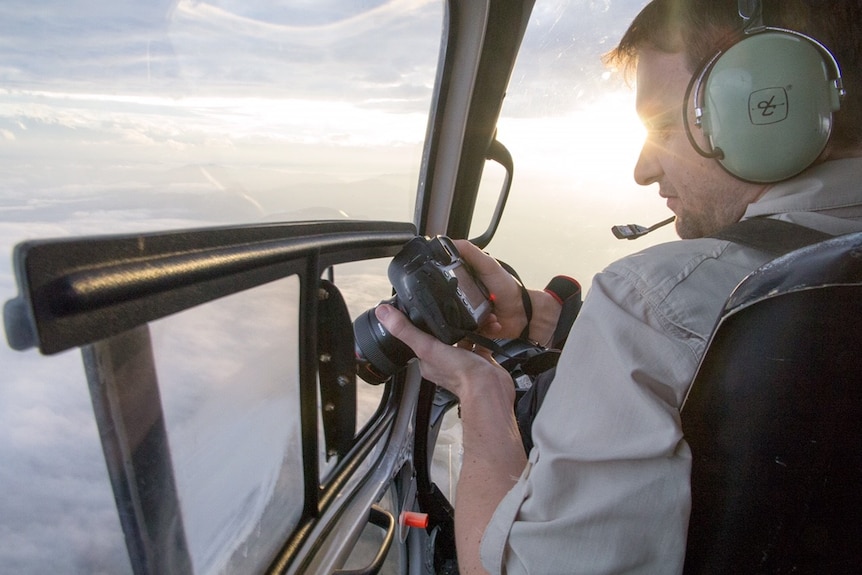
<point x="76" y="291"/>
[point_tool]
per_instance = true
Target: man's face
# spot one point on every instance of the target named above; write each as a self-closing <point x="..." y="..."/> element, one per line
<point x="704" y="197"/>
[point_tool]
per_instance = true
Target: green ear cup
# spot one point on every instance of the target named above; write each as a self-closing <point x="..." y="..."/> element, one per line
<point x="768" y="103"/>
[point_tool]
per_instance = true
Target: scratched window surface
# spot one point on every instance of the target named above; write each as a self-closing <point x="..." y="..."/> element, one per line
<point x="231" y="404"/>
<point x="570" y="124"/>
<point x="120" y="117"/>
<point x="208" y="112"/>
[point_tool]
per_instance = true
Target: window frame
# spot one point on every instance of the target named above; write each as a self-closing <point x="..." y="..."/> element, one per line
<point x="100" y="293"/>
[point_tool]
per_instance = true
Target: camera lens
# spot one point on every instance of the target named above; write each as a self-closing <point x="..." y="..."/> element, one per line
<point x="379" y="354"/>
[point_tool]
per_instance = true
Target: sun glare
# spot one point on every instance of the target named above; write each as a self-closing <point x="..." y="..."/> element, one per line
<point x="593" y="142"/>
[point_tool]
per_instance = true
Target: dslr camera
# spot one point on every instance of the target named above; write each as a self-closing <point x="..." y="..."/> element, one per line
<point x="436" y="290"/>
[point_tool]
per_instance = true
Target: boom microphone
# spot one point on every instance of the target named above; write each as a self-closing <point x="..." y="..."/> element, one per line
<point x="634" y="231"/>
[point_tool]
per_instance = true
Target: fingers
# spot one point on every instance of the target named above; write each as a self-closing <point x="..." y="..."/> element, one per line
<point x="491" y="327"/>
<point x="482" y="263"/>
<point x="399" y="326"/>
<point x="489" y="270"/>
<point x="446" y="365"/>
<point x="509" y="313"/>
<point x="423" y="344"/>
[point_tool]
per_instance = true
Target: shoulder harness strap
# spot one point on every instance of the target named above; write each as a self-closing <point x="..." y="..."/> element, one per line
<point x="775" y="237"/>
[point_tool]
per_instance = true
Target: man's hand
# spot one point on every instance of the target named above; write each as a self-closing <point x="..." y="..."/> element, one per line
<point x="454" y="368"/>
<point x="509" y="318"/>
<point x="493" y="453"/>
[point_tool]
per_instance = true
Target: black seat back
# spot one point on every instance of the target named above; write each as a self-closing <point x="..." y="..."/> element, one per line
<point x="774" y="421"/>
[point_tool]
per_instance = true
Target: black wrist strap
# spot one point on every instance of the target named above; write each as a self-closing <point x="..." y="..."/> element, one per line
<point x="528" y="309"/>
<point x="525" y="298"/>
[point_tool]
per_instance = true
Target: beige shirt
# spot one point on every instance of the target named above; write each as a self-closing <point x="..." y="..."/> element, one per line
<point x="606" y="488"/>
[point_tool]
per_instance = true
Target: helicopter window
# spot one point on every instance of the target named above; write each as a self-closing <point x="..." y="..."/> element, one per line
<point x="124" y="117"/>
<point x="231" y="404"/>
<point x="181" y="114"/>
<point x="362" y="285"/>
<point x="571" y="128"/>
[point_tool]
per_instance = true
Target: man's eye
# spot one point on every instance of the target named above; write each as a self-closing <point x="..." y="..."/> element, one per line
<point x="661" y="127"/>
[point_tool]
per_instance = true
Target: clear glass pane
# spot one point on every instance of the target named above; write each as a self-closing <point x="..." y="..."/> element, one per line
<point x="173" y="114"/>
<point x="120" y="117"/>
<point x="362" y="285"/>
<point x="448" y="455"/>
<point x="229" y="379"/>
<point x="570" y="125"/>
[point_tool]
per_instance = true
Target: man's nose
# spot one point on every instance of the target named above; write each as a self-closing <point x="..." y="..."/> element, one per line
<point x="647" y="169"/>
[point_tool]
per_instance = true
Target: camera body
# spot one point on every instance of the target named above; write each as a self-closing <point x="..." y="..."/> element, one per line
<point x="436" y="290"/>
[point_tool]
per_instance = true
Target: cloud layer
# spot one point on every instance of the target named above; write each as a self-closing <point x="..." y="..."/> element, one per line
<point x="120" y="116"/>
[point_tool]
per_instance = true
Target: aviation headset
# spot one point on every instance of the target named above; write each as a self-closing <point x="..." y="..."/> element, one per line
<point x="765" y="103"/>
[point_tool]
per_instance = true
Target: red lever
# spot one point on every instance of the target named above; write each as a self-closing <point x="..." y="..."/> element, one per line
<point x="414" y="519"/>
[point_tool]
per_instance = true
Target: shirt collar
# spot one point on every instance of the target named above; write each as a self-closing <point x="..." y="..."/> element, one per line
<point x="828" y="186"/>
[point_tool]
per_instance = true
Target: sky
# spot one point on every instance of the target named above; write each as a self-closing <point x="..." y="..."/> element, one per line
<point x="119" y="117"/>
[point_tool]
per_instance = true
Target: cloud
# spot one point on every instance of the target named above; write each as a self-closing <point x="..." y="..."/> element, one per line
<point x="314" y="22"/>
<point x="224" y="46"/>
<point x="232" y="425"/>
<point x="120" y="117"/>
<point x="56" y="491"/>
<point x="303" y="51"/>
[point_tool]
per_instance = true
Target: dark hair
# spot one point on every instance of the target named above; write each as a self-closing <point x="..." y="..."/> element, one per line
<point x="700" y="28"/>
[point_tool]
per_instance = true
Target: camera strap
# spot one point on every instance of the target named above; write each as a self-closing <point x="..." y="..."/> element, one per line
<point x="564" y="289"/>
<point x="533" y="364"/>
<point x="525" y="299"/>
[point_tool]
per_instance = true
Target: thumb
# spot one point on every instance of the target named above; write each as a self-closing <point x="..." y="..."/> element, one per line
<point x="400" y="326"/>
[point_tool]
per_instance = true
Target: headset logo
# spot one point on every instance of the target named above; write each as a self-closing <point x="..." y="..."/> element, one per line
<point x="767" y="106"/>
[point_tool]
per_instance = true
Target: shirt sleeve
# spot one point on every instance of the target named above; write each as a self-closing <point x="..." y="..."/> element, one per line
<point x="606" y="487"/>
